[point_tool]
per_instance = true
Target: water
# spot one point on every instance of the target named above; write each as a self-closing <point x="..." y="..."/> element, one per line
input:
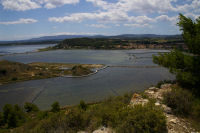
<point x="69" y="91"/>
<point x="21" y="48"/>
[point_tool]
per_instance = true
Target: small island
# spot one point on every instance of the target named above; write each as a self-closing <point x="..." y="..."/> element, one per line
<point x="14" y="71"/>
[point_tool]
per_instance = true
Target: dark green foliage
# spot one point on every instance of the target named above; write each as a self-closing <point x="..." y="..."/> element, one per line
<point x="191" y="33"/>
<point x="142" y="119"/>
<point x="14" y="78"/>
<point x="1" y="119"/>
<point x="83" y="105"/>
<point x="30" y="107"/>
<point x="196" y="110"/>
<point x="79" y="70"/>
<point x="55" y="107"/>
<point x="179" y="100"/>
<point x="3" y="71"/>
<point x="42" y="115"/>
<point x="13" y="116"/>
<point x="164" y="82"/>
<point x="186" y="66"/>
<point x="114" y="43"/>
<point x="113" y="112"/>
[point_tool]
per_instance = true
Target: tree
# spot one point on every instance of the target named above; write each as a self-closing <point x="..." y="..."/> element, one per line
<point x="55" y="107"/>
<point x="185" y="65"/>
<point x="13" y="116"/>
<point x="30" y="107"/>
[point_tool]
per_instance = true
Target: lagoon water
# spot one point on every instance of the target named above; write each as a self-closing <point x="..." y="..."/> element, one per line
<point x="111" y="81"/>
<point x="21" y="48"/>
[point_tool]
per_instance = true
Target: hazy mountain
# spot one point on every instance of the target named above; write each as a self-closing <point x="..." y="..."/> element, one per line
<point x="62" y="37"/>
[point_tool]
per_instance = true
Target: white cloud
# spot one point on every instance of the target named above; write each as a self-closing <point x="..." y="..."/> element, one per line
<point x="19" y="5"/>
<point x="20" y="21"/>
<point x="23" y="5"/>
<point x="173" y="20"/>
<point x="137" y="25"/>
<point x="101" y="16"/>
<point x="142" y="6"/>
<point x="98" y="26"/>
<point x="56" y="3"/>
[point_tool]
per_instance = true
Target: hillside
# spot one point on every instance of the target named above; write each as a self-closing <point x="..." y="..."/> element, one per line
<point x="109" y="43"/>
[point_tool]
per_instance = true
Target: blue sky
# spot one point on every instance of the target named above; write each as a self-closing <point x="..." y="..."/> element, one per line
<point x="24" y="19"/>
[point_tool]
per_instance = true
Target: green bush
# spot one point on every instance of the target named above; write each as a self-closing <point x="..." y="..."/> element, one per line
<point x="30" y="107"/>
<point x="3" y="71"/>
<point x="13" y="116"/>
<point x="82" y="105"/>
<point x="55" y="107"/>
<point x="42" y="115"/>
<point x="180" y="100"/>
<point x="113" y="112"/>
<point x="141" y="119"/>
<point x="1" y="119"/>
<point x="164" y="82"/>
<point x="196" y="110"/>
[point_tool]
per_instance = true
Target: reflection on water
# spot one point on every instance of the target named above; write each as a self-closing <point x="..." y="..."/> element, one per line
<point x="68" y="91"/>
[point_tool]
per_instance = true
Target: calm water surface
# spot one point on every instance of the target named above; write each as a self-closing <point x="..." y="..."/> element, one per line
<point x="21" y="48"/>
<point x="69" y="91"/>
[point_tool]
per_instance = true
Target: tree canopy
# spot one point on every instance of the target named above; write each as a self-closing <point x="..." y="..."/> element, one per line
<point x="185" y="65"/>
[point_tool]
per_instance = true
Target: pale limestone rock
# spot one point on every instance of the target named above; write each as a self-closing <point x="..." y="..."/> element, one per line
<point x="103" y="130"/>
<point x="157" y="104"/>
<point x="137" y="99"/>
<point x="173" y="121"/>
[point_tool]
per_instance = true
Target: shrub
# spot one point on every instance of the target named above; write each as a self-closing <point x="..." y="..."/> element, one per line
<point x="196" y="110"/>
<point x="30" y="107"/>
<point x="82" y="105"/>
<point x="14" y="78"/>
<point x="164" y="82"/>
<point x="1" y="119"/>
<point x="55" y="107"/>
<point x="42" y="115"/>
<point x="13" y="116"/>
<point x="141" y="119"/>
<point x="3" y="71"/>
<point x="180" y="100"/>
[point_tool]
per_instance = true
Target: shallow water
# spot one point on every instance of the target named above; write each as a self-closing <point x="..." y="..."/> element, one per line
<point x="21" y="48"/>
<point x="69" y="91"/>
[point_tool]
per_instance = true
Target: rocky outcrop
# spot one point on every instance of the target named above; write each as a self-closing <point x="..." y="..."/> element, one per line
<point x="174" y="124"/>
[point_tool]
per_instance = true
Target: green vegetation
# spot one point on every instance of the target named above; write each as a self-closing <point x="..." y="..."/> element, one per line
<point x="184" y="99"/>
<point x="30" y="107"/>
<point x="109" y="43"/>
<point x="55" y="107"/>
<point x="113" y="112"/>
<point x="15" y="71"/>
<point x="12" y="116"/>
<point x="180" y="100"/>
<point x="80" y="70"/>
<point x="186" y="66"/>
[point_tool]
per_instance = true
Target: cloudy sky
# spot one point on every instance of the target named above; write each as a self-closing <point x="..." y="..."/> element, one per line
<point x="23" y="19"/>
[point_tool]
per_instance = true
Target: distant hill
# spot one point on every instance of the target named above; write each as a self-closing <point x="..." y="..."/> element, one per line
<point x="58" y="38"/>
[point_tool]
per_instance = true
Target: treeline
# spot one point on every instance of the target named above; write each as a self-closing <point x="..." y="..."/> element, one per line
<point x="108" y="43"/>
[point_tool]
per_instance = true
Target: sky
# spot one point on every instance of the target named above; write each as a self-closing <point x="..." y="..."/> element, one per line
<point x="24" y="19"/>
